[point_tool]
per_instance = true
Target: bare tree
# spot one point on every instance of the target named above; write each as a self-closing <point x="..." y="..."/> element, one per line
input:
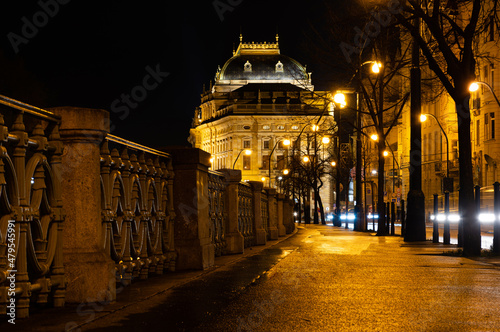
<point x="450" y="30"/>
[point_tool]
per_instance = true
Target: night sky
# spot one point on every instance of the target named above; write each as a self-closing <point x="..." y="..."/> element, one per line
<point x="93" y="53"/>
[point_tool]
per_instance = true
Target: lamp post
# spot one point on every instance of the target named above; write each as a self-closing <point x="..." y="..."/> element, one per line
<point x="340" y="99"/>
<point x="447" y="185"/>
<point x="415" y="221"/>
<point x="474" y="86"/>
<point x="286" y="142"/>
<point x="360" y="215"/>
<point x="247" y="153"/>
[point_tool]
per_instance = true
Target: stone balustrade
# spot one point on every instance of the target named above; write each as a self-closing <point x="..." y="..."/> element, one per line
<point x="31" y="214"/>
<point x="129" y="211"/>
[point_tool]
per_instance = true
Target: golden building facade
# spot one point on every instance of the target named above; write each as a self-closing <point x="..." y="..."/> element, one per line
<point x="259" y="100"/>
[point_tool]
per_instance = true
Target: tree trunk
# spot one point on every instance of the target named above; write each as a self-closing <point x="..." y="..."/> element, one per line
<point x="471" y="227"/>
<point x="380" y="189"/>
<point x="321" y="208"/>
<point x="307" y="207"/>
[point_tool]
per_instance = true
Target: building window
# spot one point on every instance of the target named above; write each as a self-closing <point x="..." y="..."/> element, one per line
<point x="279" y="67"/>
<point x="492" y="78"/>
<point x="437" y="145"/>
<point x="454" y="149"/>
<point x="492" y="123"/>
<point x="247" y="67"/>
<point x="295" y="127"/>
<point x="280" y="127"/>
<point x="265" y="161"/>
<point x="247" y="144"/>
<point x="280" y="162"/>
<point x="266" y="127"/>
<point x="478" y="122"/>
<point x="489" y="126"/>
<point x="425" y="153"/>
<point x="247" y="162"/>
<point x="265" y="144"/>
<point x="485" y="79"/>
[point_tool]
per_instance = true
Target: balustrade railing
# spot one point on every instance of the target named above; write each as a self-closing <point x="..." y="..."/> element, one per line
<point x="137" y="208"/>
<point x="216" y="210"/>
<point x="245" y="214"/>
<point x="31" y="213"/>
<point x="134" y="226"/>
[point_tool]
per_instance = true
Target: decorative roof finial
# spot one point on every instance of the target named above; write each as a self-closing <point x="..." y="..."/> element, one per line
<point x="241" y="37"/>
<point x="277" y="38"/>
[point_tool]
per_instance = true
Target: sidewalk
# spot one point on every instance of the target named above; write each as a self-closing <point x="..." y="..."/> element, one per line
<point x="318" y="258"/>
<point x="75" y="317"/>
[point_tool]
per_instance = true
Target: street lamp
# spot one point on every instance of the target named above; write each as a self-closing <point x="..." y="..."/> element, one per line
<point x="423" y="118"/>
<point x="474" y="86"/>
<point x="247" y="153"/>
<point x="286" y="142"/>
<point x="376" y="65"/>
<point x="340" y="99"/>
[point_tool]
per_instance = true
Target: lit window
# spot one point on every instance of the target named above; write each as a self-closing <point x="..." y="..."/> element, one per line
<point x="295" y="127"/>
<point x="266" y="127"/>
<point x="246" y="162"/>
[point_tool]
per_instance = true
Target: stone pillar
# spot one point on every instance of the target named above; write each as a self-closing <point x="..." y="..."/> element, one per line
<point x="259" y="231"/>
<point x="234" y="239"/>
<point x="193" y="243"/>
<point x="281" y="226"/>
<point x="273" y="214"/>
<point x="90" y="272"/>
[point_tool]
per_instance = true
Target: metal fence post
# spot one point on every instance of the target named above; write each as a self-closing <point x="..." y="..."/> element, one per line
<point x="388" y="217"/>
<point x="496" y="225"/>
<point x="435" y="225"/>
<point x="403" y="218"/>
<point x="393" y="217"/>
<point x="446" y="232"/>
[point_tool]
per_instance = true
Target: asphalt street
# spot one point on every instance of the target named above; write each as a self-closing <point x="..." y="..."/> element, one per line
<point x="321" y="279"/>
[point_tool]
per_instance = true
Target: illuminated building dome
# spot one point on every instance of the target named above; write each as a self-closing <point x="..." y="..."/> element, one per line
<point x="260" y="63"/>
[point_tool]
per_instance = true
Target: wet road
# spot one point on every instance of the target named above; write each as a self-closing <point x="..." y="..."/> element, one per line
<point x="329" y="279"/>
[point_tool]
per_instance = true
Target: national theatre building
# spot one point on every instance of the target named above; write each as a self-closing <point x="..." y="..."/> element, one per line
<point x="263" y="104"/>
